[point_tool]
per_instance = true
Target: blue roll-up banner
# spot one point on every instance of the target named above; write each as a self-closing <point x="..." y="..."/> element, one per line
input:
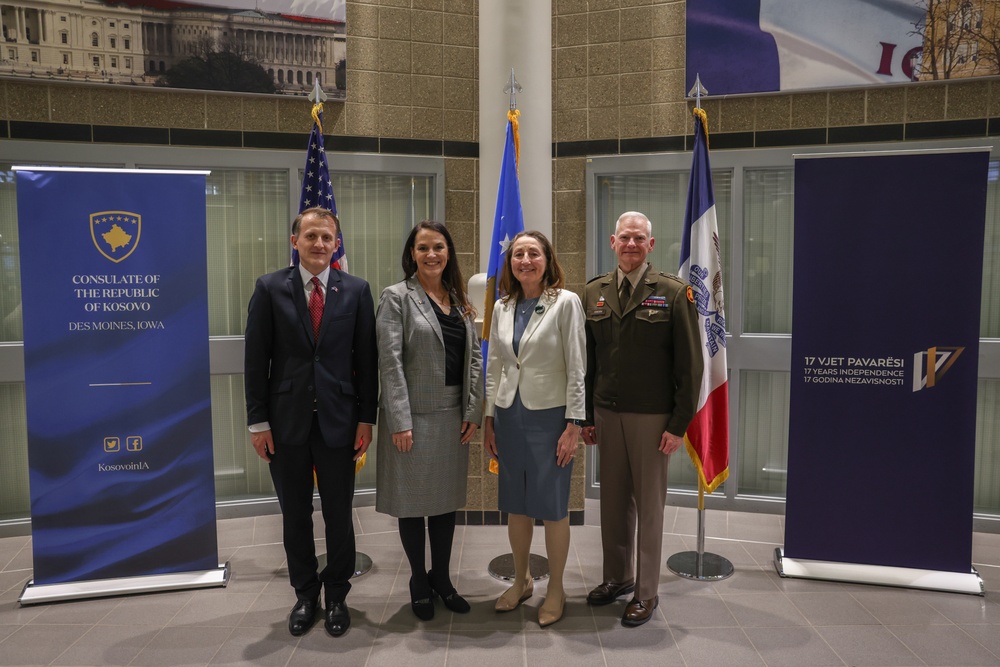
<point x="114" y="299"/>
<point x="885" y="355"/>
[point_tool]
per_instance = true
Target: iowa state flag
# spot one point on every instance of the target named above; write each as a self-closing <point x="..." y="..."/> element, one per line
<point x="707" y="437"/>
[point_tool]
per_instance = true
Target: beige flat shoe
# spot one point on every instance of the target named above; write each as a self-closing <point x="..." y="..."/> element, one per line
<point x="504" y="601"/>
<point x="547" y="616"/>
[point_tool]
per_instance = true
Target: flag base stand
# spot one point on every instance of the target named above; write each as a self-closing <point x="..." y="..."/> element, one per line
<point x="882" y="575"/>
<point x="502" y="567"/>
<point x="152" y="583"/>
<point x="362" y="563"/>
<point x="699" y="565"/>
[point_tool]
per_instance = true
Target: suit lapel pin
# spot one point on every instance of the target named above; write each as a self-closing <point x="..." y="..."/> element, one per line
<point x="539" y="309"/>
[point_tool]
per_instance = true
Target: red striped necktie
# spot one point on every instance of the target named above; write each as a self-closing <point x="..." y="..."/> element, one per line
<point x="316" y="306"/>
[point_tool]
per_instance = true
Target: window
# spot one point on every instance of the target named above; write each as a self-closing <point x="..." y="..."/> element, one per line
<point x="34" y="56"/>
<point x="65" y="59"/>
<point x="113" y="42"/>
<point x="11" y="54"/>
<point x="127" y="43"/>
<point x="64" y="37"/>
<point x="768" y="207"/>
<point x="111" y="24"/>
<point x="97" y="62"/>
<point x="62" y="19"/>
<point x="95" y="40"/>
<point x="128" y="63"/>
<point x="114" y="61"/>
<point x="662" y="197"/>
<point x="125" y="26"/>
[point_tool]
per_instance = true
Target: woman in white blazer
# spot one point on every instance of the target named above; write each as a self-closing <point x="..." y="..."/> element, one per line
<point x="430" y="369"/>
<point x="534" y="410"/>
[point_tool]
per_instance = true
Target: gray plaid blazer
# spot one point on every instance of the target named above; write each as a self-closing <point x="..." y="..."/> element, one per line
<point x="411" y="358"/>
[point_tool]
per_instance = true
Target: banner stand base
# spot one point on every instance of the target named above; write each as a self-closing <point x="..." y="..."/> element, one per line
<point x="153" y="583"/>
<point x="881" y="575"/>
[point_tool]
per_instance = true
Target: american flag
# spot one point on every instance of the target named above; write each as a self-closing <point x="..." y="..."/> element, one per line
<point x="317" y="188"/>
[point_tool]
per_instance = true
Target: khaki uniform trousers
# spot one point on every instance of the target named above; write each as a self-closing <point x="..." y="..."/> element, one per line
<point x="633" y="492"/>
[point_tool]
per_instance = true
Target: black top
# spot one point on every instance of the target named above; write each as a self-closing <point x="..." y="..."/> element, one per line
<point x="453" y="330"/>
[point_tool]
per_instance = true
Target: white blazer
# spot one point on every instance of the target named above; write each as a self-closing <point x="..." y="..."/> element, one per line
<point x="550" y="368"/>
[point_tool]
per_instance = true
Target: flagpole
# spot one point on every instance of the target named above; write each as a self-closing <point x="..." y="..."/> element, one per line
<point x="700" y="565"/>
<point x="311" y="197"/>
<point x="502" y="567"/>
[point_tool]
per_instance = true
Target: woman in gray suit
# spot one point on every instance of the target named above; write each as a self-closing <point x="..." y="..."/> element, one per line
<point x="430" y="368"/>
<point x="534" y="409"/>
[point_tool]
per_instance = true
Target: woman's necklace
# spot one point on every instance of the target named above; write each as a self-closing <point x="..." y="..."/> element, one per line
<point x="527" y="304"/>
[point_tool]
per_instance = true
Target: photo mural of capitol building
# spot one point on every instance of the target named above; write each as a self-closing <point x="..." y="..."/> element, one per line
<point x="264" y="46"/>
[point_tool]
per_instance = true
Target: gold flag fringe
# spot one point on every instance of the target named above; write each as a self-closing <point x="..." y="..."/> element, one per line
<point x="703" y="117"/>
<point x="512" y="117"/>
<point x="316" y="111"/>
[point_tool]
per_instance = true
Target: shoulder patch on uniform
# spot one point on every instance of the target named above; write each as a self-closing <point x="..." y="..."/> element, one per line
<point x="595" y="278"/>
<point x="690" y="294"/>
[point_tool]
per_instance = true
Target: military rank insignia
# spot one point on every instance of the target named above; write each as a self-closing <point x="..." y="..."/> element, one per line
<point x="690" y="293"/>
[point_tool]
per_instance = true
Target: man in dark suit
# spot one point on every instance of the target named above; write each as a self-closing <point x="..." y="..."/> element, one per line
<point x="311" y="380"/>
<point x="644" y="368"/>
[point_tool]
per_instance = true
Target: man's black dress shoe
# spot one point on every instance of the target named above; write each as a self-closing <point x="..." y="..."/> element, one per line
<point x="638" y="612"/>
<point x="338" y="618"/>
<point x="608" y="592"/>
<point x="302" y="617"/>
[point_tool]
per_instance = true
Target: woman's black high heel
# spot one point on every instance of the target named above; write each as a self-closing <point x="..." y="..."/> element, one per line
<point x="423" y="606"/>
<point x="452" y="600"/>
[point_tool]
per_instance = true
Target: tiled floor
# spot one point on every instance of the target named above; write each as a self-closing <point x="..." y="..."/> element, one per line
<point x="752" y="618"/>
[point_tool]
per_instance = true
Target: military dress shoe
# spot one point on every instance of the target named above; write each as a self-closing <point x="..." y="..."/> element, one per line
<point x="338" y="618"/>
<point x="608" y="592"/>
<point x="303" y="617"/>
<point x="638" y="612"/>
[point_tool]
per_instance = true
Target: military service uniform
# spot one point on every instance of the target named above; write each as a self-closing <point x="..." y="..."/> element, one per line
<point x="644" y="369"/>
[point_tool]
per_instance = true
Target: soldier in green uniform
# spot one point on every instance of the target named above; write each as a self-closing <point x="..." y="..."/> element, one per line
<point x="644" y="368"/>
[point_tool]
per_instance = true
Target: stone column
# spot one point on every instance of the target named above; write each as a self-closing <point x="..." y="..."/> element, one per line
<point x="518" y="34"/>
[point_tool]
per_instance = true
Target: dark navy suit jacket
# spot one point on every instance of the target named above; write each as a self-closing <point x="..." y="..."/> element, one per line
<point x="288" y="375"/>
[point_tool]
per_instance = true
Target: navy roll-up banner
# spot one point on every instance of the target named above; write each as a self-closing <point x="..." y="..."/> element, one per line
<point x="885" y="353"/>
<point x="114" y="298"/>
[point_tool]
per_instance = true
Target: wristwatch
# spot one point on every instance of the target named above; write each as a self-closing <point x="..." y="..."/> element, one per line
<point x="577" y="422"/>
